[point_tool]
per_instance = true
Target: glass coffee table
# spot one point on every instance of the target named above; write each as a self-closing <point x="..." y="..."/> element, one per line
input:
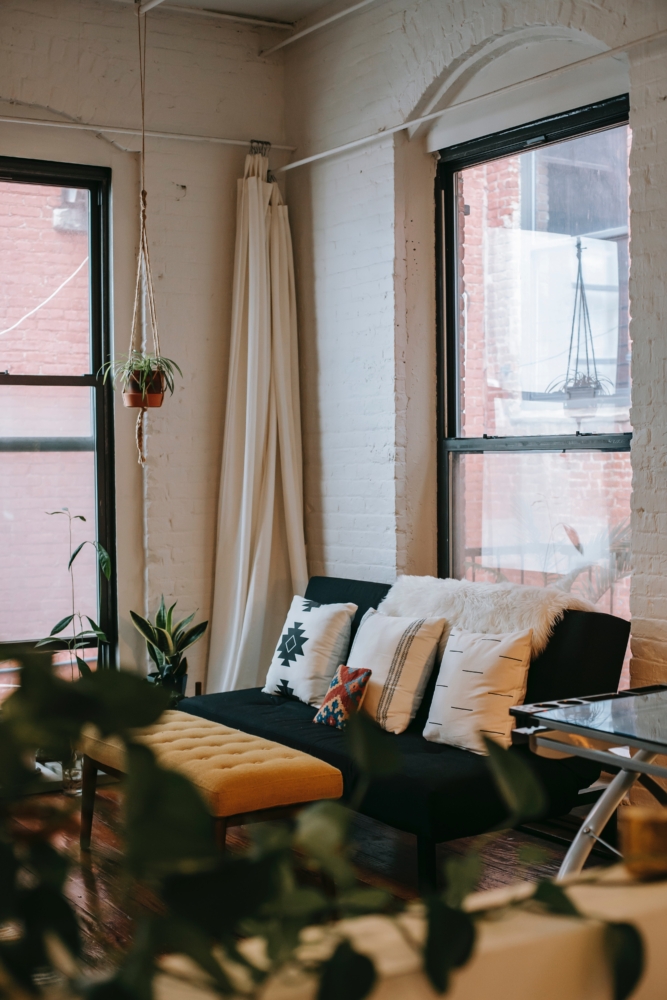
<point x="625" y="731"/>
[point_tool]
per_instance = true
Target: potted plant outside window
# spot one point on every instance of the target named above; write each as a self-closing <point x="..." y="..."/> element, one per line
<point x="166" y="642"/>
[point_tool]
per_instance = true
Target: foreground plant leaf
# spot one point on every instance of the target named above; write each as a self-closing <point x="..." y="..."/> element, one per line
<point x="449" y="941"/>
<point x="516" y="782"/>
<point x="347" y="975"/>
<point x="461" y="878"/>
<point x="555" y="900"/>
<point x="625" y="953"/>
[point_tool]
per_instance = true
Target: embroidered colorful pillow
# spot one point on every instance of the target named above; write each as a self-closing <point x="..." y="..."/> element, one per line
<point x="345" y="695"/>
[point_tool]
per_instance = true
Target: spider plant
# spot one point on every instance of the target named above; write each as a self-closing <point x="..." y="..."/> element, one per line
<point x="139" y="369"/>
<point x="166" y="642"/>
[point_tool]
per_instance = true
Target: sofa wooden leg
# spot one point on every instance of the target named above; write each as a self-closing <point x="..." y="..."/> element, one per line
<point x="221" y="832"/>
<point x="427" y="868"/>
<point x="88" y="788"/>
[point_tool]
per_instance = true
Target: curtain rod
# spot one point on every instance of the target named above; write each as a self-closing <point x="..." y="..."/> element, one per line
<point x="471" y="100"/>
<point x="85" y="127"/>
<point x="316" y="27"/>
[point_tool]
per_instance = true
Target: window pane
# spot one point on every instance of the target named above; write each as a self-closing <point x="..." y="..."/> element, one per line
<point x="34" y="583"/>
<point x="546" y="518"/>
<point x="46" y="411"/>
<point x="44" y="296"/>
<point x="543" y="290"/>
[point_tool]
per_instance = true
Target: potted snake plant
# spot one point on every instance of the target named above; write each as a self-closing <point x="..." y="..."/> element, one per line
<point x="144" y="377"/>
<point x="166" y="641"/>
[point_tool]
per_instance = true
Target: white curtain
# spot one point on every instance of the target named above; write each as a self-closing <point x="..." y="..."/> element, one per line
<point x="261" y="555"/>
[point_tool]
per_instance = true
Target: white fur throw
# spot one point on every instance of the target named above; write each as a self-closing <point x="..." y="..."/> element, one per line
<point x="483" y="607"/>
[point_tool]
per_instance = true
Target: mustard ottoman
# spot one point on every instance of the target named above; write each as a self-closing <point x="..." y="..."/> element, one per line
<point x="243" y="778"/>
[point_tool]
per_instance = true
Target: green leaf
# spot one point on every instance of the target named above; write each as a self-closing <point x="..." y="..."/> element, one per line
<point x="48" y="864"/>
<point x="84" y="669"/>
<point x="191" y="637"/>
<point x="347" y="974"/>
<point x="144" y="626"/>
<point x="531" y="854"/>
<point x="168" y="826"/>
<point x="554" y="899"/>
<point x="170" y="614"/>
<point x="164" y="641"/>
<point x="181" y="626"/>
<point x="97" y="630"/>
<point x="624" y="948"/>
<point x="62" y="624"/>
<point x="161" y="614"/>
<point x="371" y="748"/>
<point x="461" y="878"/>
<point x="449" y="942"/>
<point x="362" y="900"/>
<point x="75" y="554"/>
<point x="103" y="559"/>
<point x="78" y="517"/>
<point x="516" y="782"/>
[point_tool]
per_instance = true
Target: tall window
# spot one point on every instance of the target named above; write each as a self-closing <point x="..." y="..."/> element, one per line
<point x="535" y="356"/>
<point x="56" y="437"/>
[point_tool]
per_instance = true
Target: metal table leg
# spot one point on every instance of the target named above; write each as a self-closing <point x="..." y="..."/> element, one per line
<point x="599" y="816"/>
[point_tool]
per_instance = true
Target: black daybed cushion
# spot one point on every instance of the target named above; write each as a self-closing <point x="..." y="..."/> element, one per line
<point x="440" y="792"/>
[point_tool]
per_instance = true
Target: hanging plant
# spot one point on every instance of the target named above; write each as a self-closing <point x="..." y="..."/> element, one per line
<point x="144" y="376"/>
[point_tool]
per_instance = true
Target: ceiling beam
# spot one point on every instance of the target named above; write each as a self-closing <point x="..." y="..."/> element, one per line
<point x="260" y="22"/>
<point x="316" y="27"/>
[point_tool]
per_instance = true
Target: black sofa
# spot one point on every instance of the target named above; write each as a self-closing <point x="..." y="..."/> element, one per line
<point x="440" y="793"/>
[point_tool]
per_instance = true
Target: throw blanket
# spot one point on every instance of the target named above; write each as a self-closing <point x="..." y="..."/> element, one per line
<point x="482" y="607"/>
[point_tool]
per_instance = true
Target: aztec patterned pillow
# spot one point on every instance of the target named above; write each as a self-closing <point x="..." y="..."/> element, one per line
<point x="481" y="676"/>
<point x="400" y="652"/>
<point x="345" y="695"/>
<point x="314" y="642"/>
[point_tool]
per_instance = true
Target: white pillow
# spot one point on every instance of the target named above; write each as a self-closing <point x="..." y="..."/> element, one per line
<point x="400" y="652"/>
<point x="481" y="676"/>
<point x="312" y="645"/>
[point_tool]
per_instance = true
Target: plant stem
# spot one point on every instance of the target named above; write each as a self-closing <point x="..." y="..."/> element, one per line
<point x="71" y="576"/>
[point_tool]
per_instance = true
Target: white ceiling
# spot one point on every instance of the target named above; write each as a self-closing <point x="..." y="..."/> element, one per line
<point x="277" y="10"/>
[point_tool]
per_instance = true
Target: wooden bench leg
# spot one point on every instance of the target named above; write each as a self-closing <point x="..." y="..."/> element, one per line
<point x="88" y="787"/>
<point x="427" y="866"/>
<point x="221" y="832"/>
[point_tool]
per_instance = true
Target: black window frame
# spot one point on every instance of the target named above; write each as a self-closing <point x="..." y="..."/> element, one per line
<point x="542" y="132"/>
<point x="97" y="180"/>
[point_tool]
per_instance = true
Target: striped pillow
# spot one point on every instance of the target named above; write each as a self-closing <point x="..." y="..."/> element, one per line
<point x="481" y="676"/>
<point x="400" y="652"/>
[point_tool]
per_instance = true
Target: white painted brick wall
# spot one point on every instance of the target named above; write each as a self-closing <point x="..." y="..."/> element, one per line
<point x="203" y="76"/>
<point x="373" y="70"/>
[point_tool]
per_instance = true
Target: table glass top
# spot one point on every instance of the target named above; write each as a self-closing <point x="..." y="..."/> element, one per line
<point x="639" y="717"/>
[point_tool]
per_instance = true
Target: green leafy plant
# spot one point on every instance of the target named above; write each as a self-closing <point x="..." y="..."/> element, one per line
<point x="167" y="641"/>
<point x="139" y="369"/>
<point x="208" y="905"/>
<point x="82" y="636"/>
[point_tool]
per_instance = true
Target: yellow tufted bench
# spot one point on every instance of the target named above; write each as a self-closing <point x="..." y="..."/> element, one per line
<point x="243" y="778"/>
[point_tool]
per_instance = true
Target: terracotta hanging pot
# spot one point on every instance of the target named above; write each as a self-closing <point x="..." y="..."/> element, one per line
<point x="153" y="396"/>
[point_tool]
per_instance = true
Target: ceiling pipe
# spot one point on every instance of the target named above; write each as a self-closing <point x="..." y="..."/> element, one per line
<point x="259" y="22"/>
<point x="316" y="27"/>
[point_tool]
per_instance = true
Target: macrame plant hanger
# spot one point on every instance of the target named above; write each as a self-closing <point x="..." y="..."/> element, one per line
<point x="144" y="290"/>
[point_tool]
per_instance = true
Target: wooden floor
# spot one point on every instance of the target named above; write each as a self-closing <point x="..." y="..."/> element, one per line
<point x="384" y="857"/>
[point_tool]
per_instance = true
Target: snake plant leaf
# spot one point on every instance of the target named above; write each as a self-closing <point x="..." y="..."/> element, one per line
<point x="144" y="626"/>
<point x="103" y="559"/>
<point x="192" y="636"/>
<point x="156" y="656"/>
<point x="63" y="623"/>
<point x="170" y="614"/>
<point x="161" y="614"/>
<point x="181" y="626"/>
<point x="164" y="641"/>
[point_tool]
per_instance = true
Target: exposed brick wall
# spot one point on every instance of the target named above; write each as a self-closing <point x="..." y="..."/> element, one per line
<point x="203" y="76"/>
<point x="395" y="55"/>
